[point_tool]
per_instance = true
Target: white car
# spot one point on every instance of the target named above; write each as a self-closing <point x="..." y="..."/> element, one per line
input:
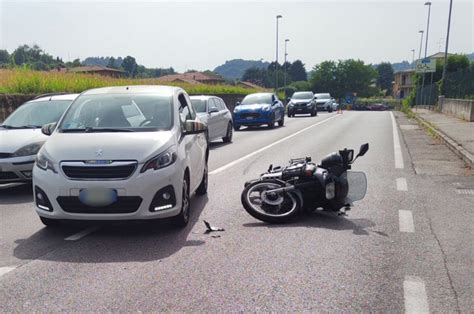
<point x="213" y="111"/>
<point x="324" y="101"/>
<point x="21" y="137"/>
<point x="122" y="153"/>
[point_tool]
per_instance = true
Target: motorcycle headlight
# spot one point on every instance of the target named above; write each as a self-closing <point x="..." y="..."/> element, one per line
<point x="44" y="163"/>
<point x="161" y="161"/>
<point x="266" y="108"/>
<point x="28" y="150"/>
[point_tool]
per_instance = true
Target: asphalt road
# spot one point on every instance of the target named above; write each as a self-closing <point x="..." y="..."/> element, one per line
<point x="398" y="250"/>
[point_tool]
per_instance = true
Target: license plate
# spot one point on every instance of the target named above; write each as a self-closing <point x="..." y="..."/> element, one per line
<point x="98" y="197"/>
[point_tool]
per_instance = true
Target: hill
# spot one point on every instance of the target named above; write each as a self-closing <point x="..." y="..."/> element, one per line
<point x="235" y="69"/>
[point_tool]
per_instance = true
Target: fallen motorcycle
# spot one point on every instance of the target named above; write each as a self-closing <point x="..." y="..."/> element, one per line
<point x="281" y="192"/>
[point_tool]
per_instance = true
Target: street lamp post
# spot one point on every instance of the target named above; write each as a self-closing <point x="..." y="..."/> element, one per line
<point x="446" y="48"/>
<point x="276" y="59"/>
<point x="286" y="54"/>
<point x="423" y="98"/>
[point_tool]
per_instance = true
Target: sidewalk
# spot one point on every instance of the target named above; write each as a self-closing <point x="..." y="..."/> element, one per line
<point x="456" y="133"/>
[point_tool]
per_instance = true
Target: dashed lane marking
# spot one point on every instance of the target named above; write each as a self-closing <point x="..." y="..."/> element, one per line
<point x="81" y="234"/>
<point x="414" y="293"/>
<point x="402" y="184"/>
<point x="396" y="144"/>
<point x="405" y="219"/>
<point x="233" y="163"/>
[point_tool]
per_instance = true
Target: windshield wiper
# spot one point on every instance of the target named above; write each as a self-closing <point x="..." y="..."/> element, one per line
<point x="92" y="130"/>
<point x="30" y="126"/>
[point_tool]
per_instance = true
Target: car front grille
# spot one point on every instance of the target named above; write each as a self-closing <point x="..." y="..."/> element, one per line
<point x="254" y="115"/>
<point x="123" y="205"/>
<point x="6" y="155"/>
<point x="8" y="175"/>
<point x="113" y="171"/>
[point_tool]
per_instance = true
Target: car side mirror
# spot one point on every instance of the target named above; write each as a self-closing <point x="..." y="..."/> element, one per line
<point x="289" y="98"/>
<point x="213" y="110"/>
<point x="237" y="103"/>
<point x="194" y="127"/>
<point x="363" y="149"/>
<point x="275" y="102"/>
<point x="48" y="129"/>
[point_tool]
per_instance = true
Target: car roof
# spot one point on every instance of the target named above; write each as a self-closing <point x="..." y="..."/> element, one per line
<point x="134" y="89"/>
<point x="303" y="91"/>
<point x="260" y="94"/>
<point x="203" y="97"/>
<point x="50" y="97"/>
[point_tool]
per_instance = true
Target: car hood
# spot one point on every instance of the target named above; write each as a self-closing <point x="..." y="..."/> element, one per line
<point x="301" y="101"/>
<point x="252" y="107"/>
<point x="12" y="140"/>
<point x="107" y="146"/>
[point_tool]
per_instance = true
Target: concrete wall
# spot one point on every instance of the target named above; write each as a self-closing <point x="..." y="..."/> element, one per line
<point x="9" y="102"/>
<point x="460" y="108"/>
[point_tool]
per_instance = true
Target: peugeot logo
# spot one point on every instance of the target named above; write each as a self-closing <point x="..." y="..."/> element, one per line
<point x="99" y="153"/>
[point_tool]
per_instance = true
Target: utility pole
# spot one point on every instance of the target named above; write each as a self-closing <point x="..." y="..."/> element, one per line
<point x="276" y="59"/>
<point x="423" y="98"/>
<point x="419" y="58"/>
<point x="446" y="49"/>
<point x="413" y="58"/>
<point x="286" y="54"/>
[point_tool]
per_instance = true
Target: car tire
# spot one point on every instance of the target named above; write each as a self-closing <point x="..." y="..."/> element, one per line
<point x="330" y="109"/>
<point x="50" y="223"/>
<point x="181" y="220"/>
<point x="313" y="112"/>
<point x="202" y="189"/>
<point x="282" y="120"/>
<point x="236" y="127"/>
<point x="290" y="115"/>
<point x="271" y="125"/>
<point x="229" y="134"/>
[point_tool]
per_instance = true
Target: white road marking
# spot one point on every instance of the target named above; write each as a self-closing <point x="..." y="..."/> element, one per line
<point x="6" y="269"/>
<point x="405" y="219"/>
<point x="402" y="184"/>
<point x="233" y="163"/>
<point x="414" y="292"/>
<point x="81" y="234"/>
<point x="396" y="144"/>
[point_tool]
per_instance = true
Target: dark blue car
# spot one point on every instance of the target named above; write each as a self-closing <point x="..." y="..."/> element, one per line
<point x="259" y="109"/>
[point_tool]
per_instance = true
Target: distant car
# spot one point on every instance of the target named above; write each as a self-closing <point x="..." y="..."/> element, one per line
<point x="377" y="107"/>
<point x="335" y="105"/>
<point x="324" y="101"/>
<point x="259" y="109"/>
<point x="213" y="111"/>
<point x="21" y="137"/>
<point x="302" y="102"/>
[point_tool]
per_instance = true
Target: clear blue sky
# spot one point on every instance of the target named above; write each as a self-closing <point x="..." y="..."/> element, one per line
<point x="204" y="34"/>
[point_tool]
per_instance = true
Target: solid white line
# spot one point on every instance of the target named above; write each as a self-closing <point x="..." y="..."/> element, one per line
<point x="6" y="269"/>
<point x="414" y="292"/>
<point x="81" y="234"/>
<point x="402" y="184"/>
<point x="405" y="219"/>
<point x="396" y="144"/>
<point x="233" y="163"/>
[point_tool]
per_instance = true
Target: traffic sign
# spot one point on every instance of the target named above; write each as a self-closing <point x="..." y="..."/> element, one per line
<point x="426" y="65"/>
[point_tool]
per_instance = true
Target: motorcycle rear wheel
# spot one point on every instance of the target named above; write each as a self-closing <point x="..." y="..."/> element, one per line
<point x="285" y="208"/>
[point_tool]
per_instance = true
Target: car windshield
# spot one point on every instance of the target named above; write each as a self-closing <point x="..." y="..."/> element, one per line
<point x="199" y="105"/>
<point x="118" y="112"/>
<point x="37" y="113"/>
<point x="257" y="99"/>
<point x="322" y="96"/>
<point x="305" y="95"/>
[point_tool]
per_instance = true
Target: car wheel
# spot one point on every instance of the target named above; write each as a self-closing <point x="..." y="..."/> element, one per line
<point x="236" y="127"/>
<point x="202" y="189"/>
<point x="229" y="134"/>
<point x="313" y="112"/>
<point x="289" y="114"/>
<point x="271" y="125"/>
<point x="182" y="219"/>
<point x="330" y="109"/>
<point x="50" y="223"/>
<point x="282" y="120"/>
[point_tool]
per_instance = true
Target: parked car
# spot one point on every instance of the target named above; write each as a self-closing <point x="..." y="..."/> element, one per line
<point x="302" y="102"/>
<point x="21" y="137"/>
<point x="213" y="111"/>
<point x="378" y="107"/>
<point x="324" y="101"/>
<point x="335" y="105"/>
<point x="100" y="164"/>
<point x="258" y="109"/>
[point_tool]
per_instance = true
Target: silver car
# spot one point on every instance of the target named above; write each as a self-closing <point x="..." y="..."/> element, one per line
<point x="21" y="137"/>
<point x="213" y="111"/>
<point x="324" y="101"/>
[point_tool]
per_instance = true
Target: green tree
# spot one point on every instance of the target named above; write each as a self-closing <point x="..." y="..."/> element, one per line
<point x="297" y="71"/>
<point x="129" y="65"/>
<point x="112" y="63"/>
<point x="385" y="76"/>
<point x="4" y="57"/>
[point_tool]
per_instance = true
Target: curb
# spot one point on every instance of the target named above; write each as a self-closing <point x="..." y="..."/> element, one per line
<point x="457" y="148"/>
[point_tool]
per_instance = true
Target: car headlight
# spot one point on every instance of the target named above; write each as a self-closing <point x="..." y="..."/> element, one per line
<point x="28" y="150"/>
<point x="290" y="104"/>
<point x="236" y="109"/>
<point x="163" y="160"/>
<point x="44" y="163"/>
<point x="266" y="108"/>
<point x="309" y="104"/>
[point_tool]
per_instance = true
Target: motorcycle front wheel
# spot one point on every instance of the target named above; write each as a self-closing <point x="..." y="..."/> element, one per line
<point x="269" y="207"/>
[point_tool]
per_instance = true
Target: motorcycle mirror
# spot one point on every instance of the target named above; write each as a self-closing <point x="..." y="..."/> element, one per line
<point x="363" y="149"/>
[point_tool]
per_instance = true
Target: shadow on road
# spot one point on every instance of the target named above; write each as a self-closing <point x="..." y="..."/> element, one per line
<point x="215" y="145"/>
<point x="133" y="241"/>
<point x="326" y="221"/>
<point x="16" y="193"/>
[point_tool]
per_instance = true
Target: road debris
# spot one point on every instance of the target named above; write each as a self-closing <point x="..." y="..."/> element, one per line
<point x="211" y="228"/>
